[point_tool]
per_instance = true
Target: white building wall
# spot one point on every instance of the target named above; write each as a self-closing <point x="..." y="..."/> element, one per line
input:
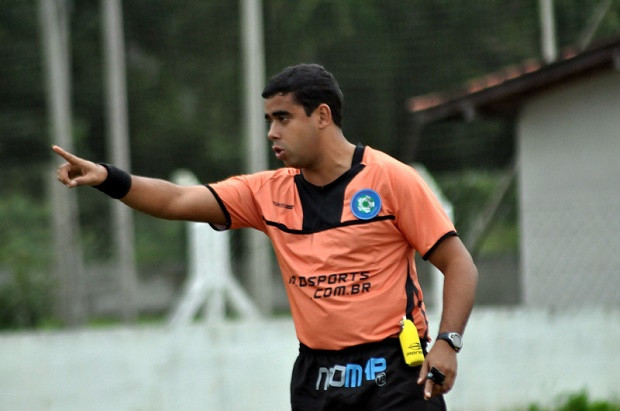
<point x="569" y="189"/>
<point x="511" y="359"/>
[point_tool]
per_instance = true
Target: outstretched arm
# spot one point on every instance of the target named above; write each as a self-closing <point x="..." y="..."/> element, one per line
<point x="156" y="197"/>
<point x="460" y="280"/>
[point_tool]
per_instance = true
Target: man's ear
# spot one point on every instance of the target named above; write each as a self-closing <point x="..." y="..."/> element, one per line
<point x="325" y="115"/>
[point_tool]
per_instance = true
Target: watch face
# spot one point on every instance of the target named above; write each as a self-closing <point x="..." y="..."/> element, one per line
<point x="456" y="340"/>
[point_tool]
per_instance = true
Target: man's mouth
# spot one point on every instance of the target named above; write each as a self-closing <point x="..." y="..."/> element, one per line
<point x="279" y="152"/>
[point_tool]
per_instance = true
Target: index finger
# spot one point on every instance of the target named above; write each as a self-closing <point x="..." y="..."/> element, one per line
<point x="65" y="154"/>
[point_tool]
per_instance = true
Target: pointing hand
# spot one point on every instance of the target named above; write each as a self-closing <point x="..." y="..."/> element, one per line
<point x="78" y="171"/>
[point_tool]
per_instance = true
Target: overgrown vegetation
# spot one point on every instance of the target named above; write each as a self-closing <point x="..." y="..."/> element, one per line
<point x="579" y="402"/>
<point x="26" y="281"/>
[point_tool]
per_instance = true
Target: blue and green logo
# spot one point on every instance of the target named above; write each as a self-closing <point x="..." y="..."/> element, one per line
<point x="366" y="204"/>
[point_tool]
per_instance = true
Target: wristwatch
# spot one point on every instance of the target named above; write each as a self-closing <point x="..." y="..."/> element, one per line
<point x="454" y="339"/>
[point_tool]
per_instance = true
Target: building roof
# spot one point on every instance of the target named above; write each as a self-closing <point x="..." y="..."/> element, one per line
<point x="502" y="92"/>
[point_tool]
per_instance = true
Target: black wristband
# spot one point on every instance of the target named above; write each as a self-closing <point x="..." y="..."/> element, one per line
<point x="117" y="184"/>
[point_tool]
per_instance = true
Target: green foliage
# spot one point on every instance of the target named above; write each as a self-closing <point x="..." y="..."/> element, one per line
<point x="468" y="192"/>
<point x="25" y="300"/>
<point x="386" y="52"/>
<point x="22" y="108"/>
<point x="579" y="402"/>
<point x="160" y="245"/>
<point x="26" y="285"/>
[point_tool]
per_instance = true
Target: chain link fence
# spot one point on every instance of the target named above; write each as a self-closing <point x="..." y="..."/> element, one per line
<point x="184" y="93"/>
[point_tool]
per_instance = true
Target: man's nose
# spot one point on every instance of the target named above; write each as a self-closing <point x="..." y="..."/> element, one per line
<point x="272" y="133"/>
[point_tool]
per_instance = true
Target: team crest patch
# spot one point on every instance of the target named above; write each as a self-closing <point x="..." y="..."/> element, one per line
<point x="366" y="204"/>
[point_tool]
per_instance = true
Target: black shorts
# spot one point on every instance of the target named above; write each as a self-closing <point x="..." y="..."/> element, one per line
<point x="370" y="377"/>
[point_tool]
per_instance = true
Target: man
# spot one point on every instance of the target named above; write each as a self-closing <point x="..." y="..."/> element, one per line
<point x="345" y="222"/>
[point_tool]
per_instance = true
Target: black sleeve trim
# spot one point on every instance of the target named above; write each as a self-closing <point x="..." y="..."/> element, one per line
<point x="443" y="237"/>
<point x="218" y="227"/>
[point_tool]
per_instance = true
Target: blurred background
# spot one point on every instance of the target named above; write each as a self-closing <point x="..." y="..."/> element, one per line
<point x="180" y="98"/>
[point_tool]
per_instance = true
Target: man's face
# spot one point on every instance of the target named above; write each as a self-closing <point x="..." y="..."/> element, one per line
<point x="294" y="135"/>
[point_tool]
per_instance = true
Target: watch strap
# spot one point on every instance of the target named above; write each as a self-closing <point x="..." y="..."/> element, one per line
<point x="449" y="338"/>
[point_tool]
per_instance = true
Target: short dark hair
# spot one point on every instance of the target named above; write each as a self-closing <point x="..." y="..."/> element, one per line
<point x="311" y="86"/>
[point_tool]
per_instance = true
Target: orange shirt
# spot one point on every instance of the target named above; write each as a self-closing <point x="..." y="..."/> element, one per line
<point x="345" y="250"/>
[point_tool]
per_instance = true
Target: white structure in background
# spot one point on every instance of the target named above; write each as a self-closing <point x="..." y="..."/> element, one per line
<point x="257" y="263"/>
<point x="436" y="300"/>
<point x="210" y="282"/>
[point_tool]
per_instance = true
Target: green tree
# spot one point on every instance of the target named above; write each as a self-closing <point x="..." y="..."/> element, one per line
<point x="27" y="285"/>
